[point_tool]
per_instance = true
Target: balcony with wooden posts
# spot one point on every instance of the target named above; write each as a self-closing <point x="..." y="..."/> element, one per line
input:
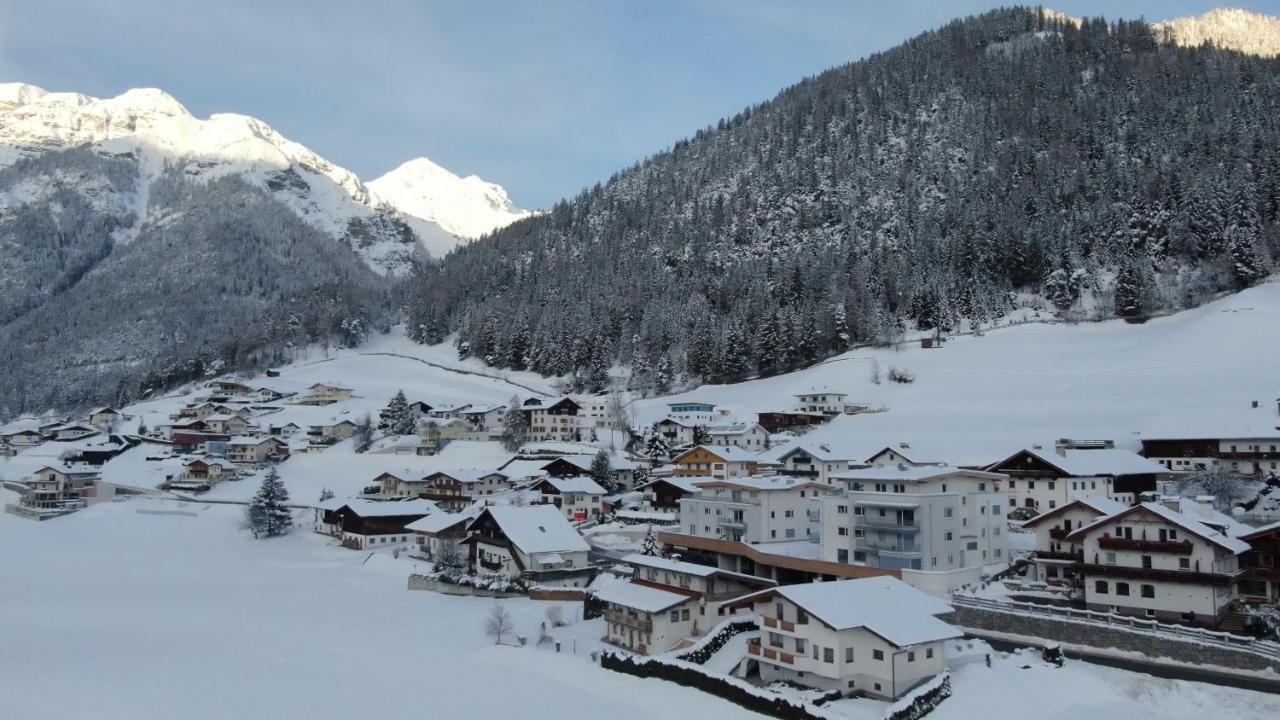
<point x="642" y="623"/>
<point x="1168" y="547"/>
<point x="1196" y="577"/>
<point x="1063" y="555"/>
<point x="775" y="623"/>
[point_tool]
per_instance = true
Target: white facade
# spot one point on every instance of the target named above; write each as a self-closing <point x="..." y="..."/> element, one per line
<point x="827" y="402"/>
<point x="927" y="518"/>
<point x="816" y="462"/>
<point x="758" y="509"/>
<point x="1153" y="562"/>
<point x="1056" y="556"/>
<point x="748" y="436"/>
<point x="882" y="643"/>
<point x="696" y="413"/>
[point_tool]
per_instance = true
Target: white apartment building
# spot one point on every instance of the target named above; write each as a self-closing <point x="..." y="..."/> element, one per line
<point x="929" y="518"/>
<point x="1154" y="562"/>
<point x="828" y="402"/>
<point x="754" y="509"/>
<point x="691" y="411"/>
<point x="877" y="636"/>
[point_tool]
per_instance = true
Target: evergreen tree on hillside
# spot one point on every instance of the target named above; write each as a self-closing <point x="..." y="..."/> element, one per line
<point x="515" y="426"/>
<point x="400" y="419"/>
<point x="656" y="447"/>
<point x="268" y="512"/>
<point x="1130" y="291"/>
<point x="649" y="546"/>
<point x="602" y="471"/>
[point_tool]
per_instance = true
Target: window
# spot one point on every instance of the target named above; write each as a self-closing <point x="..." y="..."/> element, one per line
<point x="1051" y="484"/>
<point x="1146" y="561"/>
<point x="848" y="657"/>
<point x="778" y="608"/>
<point x="1109" y="558"/>
<point x="802" y="618"/>
<point x="842" y="531"/>
<point x="675" y="616"/>
<point x="842" y="509"/>
<point x="802" y="646"/>
<point x="789" y="513"/>
<point x="928" y="652"/>
<point x="947" y="512"/>
<point x="684" y="614"/>
<point x="859" y="556"/>
<point x="911" y="656"/>
<point x="1148" y="591"/>
<point x="948" y="536"/>
<point x="877" y="654"/>
<point x="1100" y="587"/>
<point x="1184" y="563"/>
<point x="828" y="655"/>
<point x="1122" y="588"/>
<point x="859" y="510"/>
<point x="842" y="555"/>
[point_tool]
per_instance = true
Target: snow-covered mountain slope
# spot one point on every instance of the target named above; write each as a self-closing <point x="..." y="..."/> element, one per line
<point x="467" y="207"/>
<point x="156" y="131"/>
<point x="1034" y="383"/>
<point x="1228" y="28"/>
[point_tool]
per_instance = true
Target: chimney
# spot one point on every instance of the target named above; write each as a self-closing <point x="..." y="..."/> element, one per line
<point x="1172" y="502"/>
<point x="1255" y="403"/>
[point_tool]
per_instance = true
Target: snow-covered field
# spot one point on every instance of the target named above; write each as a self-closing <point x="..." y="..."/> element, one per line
<point x="117" y="613"/>
<point x="150" y="609"/>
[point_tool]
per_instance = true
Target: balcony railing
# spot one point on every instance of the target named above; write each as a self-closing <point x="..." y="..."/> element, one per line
<point x="1060" y="555"/>
<point x="1176" y="547"/>
<point x="775" y="623"/>
<point x="1059" y="533"/>
<point x="887" y="523"/>
<point x="644" y="624"/>
<point x="1141" y="573"/>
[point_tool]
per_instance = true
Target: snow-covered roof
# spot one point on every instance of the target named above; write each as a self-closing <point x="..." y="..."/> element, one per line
<point x="687" y="568"/>
<point x="440" y="521"/>
<point x="1260" y="531"/>
<point x="1206" y="514"/>
<point x="1173" y="517"/>
<point x="640" y="597"/>
<point x="764" y="483"/>
<point x="910" y="454"/>
<point x="1212" y="423"/>
<point x="537" y="528"/>
<point x="886" y="606"/>
<point x="467" y="476"/>
<point x="574" y="485"/>
<point x="730" y="453"/>
<point x="686" y="483"/>
<point x="909" y="473"/>
<point x="1101" y="505"/>
<point x="382" y="508"/>
<point x="738" y="428"/>
<point x="818" y="451"/>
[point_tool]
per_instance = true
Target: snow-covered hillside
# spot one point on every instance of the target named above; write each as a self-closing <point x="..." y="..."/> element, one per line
<point x="1229" y="28"/>
<point x="977" y="396"/>
<point x="153" y="128"/>
<point x="467" y="207"/>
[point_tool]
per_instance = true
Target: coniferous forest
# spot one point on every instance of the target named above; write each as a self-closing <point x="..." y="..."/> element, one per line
<point x="1015" y="157"/>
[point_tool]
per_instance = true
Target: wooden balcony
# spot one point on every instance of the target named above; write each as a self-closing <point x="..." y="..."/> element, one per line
<point x="1177" y="576"/>
<point x="1058" y="533"/>
<point x="1060" y="555"/>
<point x="783" y="625"/>
<point x="1177" y="547"/>
<point x="642" y="623"/>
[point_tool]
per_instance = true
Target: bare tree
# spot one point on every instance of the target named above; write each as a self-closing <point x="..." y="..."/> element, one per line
<point x="555" y="616"/>
<point x="449" y="556"/>
<point x="497" y="624"/>
<point x="1225" y="485"/>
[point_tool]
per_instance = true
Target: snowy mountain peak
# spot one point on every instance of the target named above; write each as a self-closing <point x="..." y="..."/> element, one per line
<point x="1228" y="28"/>
<point x="465" y="206"/>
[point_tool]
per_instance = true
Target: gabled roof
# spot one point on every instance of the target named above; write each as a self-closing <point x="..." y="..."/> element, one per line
<point x="383" y="508"/>
<point x="468" y="476"/>
<point x="640" y="597"/>
<point x="818" y="451"/>
<point x="535" y="529"/>
<point x="1260" y="531"/>
<point x="1173" y="517"/>
<point x="688" y="568"/>
<point x="440" y="521"/>
<point x="572" y="485"/>
<point x="1101" y="505"/>
<point x="885" y="606"/>
<point x="686" y="483"/>
<point x="912" y="473"/>
<point x="905" y="450"/>
<point x="728" y="453"/>
<point x="1086" y="463"/>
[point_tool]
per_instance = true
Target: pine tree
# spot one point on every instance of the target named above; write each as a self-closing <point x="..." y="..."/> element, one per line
<point x="663" y="376"/>
<point x="399" y="417"/>
<point x="1129" y="291"/>
<point x="363" y="434"/>
<point x="656" y="448"/>
<point x="269" y="513"/>
<point x="649" y="546"/>
<point x="515" y="426"/>
<point x="1248" y="264"/>
<point x="602" y="470"/>
<point x="700" y="436"/>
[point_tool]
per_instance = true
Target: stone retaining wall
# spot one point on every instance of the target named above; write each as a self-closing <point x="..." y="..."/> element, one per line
<point x="421" y="582"/>
<point x="1100" y="636"/>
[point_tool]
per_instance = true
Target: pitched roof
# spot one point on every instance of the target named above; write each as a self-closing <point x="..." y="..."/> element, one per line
<point x="1260" y="531"/>
<point x="911" y="473"/>
<point x="537" y="528"/>
<point x="764" y="483"/>
<point x="382" y="508"/>
<point x="440" y="521"/>
<point x="640" y="597"/>
<point x="688" y="568"/>
<point x="573" y="484"/>
<point x="886" y="606"/>
<point x="1085" y="463"/>
<point x="468" y="476"/>
<point x="1191" y="525"/>
<point x="686" y="483"/>
<point x="1101" y="505"/>
<point x="729" y="453"/>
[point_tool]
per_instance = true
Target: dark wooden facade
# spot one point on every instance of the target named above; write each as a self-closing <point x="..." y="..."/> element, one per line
<point x="780" y="421"/>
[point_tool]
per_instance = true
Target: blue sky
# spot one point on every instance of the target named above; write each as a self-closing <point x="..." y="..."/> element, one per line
<point x="545" y="97"/>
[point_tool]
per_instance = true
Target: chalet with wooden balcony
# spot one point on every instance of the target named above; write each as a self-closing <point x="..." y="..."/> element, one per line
<point x="716" y="461"/>
<point x="667" y="601"/>
<point x="1262" y="565"/>
<point x="664" y="494"/>
<point x="1055" y="558"/>
<point x="533" y="543"/>
<point x="368" y="524"/>
<point x="555" y="421"/>
<point x="874" y="636"/>
<point x="1242" y="439"/>
<point x="1152" y="561"/>
<point x="1044" y="480"/>
<point x="453" y="490"/>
